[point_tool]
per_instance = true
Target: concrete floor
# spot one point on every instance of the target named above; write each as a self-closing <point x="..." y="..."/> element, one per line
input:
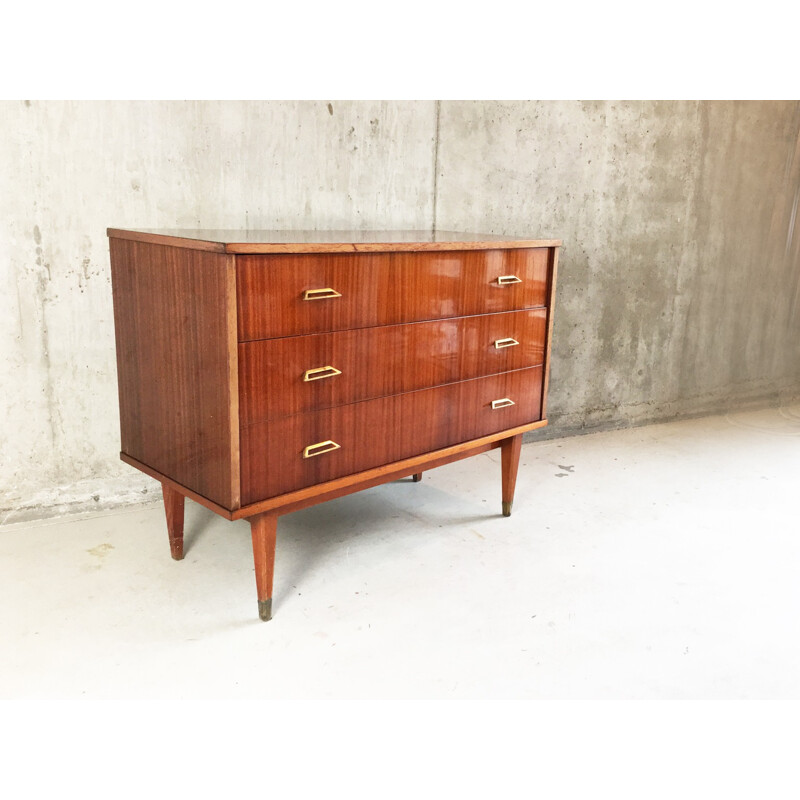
<point x="657" y="562"/>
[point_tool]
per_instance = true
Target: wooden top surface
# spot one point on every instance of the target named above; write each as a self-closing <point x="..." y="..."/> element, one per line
<point x="289" y="241"/>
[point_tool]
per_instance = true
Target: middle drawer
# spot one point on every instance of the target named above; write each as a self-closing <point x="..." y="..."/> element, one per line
<point x="280" y="377"/>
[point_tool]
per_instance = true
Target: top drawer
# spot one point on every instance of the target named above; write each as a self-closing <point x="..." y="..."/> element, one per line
<point x="282" y="295"/>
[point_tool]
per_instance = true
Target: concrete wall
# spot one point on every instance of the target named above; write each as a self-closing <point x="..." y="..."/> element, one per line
<point x="678" y="286"/>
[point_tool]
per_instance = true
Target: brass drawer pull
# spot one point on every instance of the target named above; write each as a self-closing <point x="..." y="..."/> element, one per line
<point x="321" y="372"/>
<point x="503" y="403"/>
<point x="505" y="280"/>
<point x="501" y="343"/>
<point x="319" y="448"/>
<point x="320" y="294"/>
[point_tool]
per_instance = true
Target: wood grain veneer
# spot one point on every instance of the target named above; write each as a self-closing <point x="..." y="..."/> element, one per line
<point x="382" y="288"/>
<point x="214" y="340"/>
<point x="385" y="360"/>
<point x="176" y="364"/>
<point x="380" y="431"/>
<point x="330" y="490"/>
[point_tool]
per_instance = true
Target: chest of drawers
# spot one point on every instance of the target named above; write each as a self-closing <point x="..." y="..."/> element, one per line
<point x="261" y="372"/>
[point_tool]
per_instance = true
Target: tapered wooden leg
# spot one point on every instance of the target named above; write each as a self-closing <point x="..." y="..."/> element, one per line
<point x="416" y="477"/>
<point x="173" y="506"/>
<point x="509" y="453"/>
<point x="264" y="529"/>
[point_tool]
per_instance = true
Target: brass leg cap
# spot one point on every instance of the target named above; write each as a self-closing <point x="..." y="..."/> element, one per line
<point x="265" y="609"/>
<point x="507" y="508"/>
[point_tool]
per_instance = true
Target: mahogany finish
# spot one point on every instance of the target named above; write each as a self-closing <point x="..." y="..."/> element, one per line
<point x="303" y="498"/>
<point x="330" y="490"/>
<point x="381" y="431"/>
<point x="409" y="354"/>
<point x="176" y="364"/>
<point x="374" y="362"/>
<point x="382" y="288"/>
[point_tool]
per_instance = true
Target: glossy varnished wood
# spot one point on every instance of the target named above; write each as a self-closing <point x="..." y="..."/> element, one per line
<point x="340" y="487"/>
<point x="178" y="487"/>
<point x="175" y="328"/>
<point x="296" y="501"/>
<point x="382" y="288"/>
<point x="376" y="432"/>
<point x="374" y="362"/>
<point x="286" y="241"/>
<point x="211" y="326"/>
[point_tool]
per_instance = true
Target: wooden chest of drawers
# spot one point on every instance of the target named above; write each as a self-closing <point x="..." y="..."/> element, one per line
<point x="264" y="371"/>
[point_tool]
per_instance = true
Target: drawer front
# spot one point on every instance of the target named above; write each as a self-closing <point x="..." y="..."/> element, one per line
<point x="279" y="377"/>
<point x="286" y="295"/>
<point x="359" y="436"/>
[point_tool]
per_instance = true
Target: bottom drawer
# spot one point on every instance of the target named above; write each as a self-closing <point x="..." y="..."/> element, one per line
<point x="276" y="458"/>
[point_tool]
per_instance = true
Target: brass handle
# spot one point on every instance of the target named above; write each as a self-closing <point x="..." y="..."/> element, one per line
<point x="505" y="280"/>
<point x="321" y="372"/>
<point x="320" y="294"/>
<point x="501" y="343"/>
<point x="320" y="447"/>
<point x="502" y="403"/>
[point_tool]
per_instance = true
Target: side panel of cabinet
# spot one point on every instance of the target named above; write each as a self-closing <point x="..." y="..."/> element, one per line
<point x="177" y="364"/>
<point x="551" y="307"/>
